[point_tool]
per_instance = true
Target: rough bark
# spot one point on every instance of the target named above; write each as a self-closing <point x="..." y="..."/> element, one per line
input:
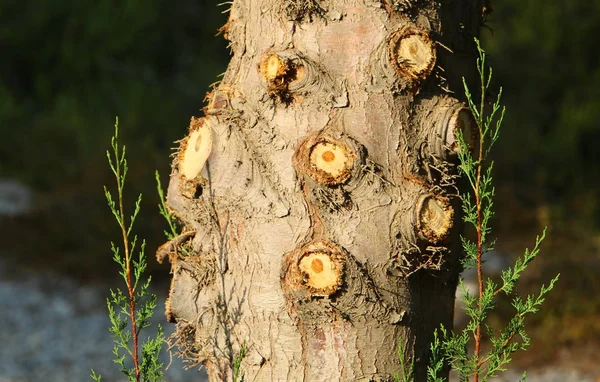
<point x="318" y="192"/>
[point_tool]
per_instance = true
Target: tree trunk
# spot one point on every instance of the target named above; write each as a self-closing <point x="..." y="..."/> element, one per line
<point x="318" y="193"/>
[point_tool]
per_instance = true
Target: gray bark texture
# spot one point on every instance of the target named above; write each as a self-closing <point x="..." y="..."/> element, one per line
<point x="318" y="194"/>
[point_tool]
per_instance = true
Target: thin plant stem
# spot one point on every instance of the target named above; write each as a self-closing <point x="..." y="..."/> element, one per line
<point x="479" y="229"/>
<point x="129" y="282"/>
<point x="130" y="290"/>
<point x="479" y="205"/>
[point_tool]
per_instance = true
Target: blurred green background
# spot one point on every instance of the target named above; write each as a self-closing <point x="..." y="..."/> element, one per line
<point x="548" y="164"/>
<point x="67" y="68"/>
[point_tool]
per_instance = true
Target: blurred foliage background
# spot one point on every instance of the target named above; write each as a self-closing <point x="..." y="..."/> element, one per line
<point x="69" y="67"/>
<point x="548" y="164"/>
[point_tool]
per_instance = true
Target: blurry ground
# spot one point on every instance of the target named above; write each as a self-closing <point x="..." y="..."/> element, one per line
<point x="55" y="329"/>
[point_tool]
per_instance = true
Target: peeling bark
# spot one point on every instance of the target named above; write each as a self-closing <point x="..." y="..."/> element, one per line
<point x="319" y="195"/>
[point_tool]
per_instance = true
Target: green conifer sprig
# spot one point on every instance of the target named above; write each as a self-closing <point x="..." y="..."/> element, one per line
<point x="130" y="312"/>
<point x="456" y="349"/>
